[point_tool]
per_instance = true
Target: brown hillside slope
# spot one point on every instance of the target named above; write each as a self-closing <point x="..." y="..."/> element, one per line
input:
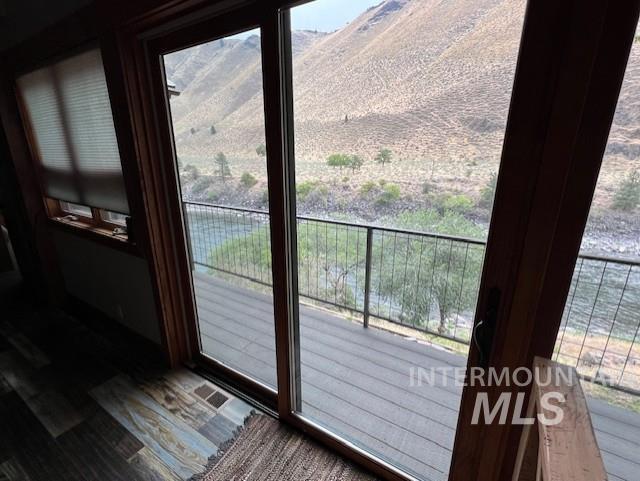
<point x="428" y="79"/>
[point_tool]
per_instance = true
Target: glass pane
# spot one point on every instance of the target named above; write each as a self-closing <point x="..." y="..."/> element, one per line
<point x="216" y="100"/>
<point x="76" y="209"/>
<point x="400" y="110"/>
<point x="600" y="330"/>
<point x="114" y="217"/>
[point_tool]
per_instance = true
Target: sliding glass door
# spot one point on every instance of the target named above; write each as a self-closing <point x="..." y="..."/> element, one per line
<point x="336" y="166"/>
<point x="400" y="111"/>
<point x="217" y="111"/>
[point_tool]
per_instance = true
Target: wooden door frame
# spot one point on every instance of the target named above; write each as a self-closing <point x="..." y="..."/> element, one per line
<point x="560" y="114"/>
<point x="205" y="30"/>
<point x="578" y="69"/>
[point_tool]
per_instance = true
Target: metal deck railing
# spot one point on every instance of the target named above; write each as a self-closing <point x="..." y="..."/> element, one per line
<point x="425" y="281"/>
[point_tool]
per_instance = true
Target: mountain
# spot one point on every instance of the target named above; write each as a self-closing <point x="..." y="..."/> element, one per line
<point x="428" y="79"/>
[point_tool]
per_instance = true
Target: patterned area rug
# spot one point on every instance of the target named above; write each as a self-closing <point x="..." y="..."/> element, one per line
<point x="266" y="449"/>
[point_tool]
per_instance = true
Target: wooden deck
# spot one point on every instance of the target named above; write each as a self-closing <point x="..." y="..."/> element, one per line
<point x="357" y="382"/>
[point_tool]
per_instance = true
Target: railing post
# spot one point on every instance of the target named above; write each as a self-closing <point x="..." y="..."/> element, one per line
<point x="367" y="276"/>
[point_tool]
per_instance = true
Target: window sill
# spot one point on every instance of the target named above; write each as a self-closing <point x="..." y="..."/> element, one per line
<point x="101" y="235"/>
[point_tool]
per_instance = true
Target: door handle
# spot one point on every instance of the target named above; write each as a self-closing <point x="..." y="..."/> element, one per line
<point x="484" y="330"/>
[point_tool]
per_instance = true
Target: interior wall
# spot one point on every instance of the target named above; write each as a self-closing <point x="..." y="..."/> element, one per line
<point x="116" y="283"/>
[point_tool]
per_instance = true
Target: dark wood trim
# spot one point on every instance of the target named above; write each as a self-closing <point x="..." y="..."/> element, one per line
<point x="553" y="94"/>
<point x="208" y="30"/>
<point x="145" y="16"/>
<point x="204" y="30"/>
<point x="157" y="224"/>
<point x="97" y="234"/>
<point x="620" y="21"/>
<point x="281" y="179"/>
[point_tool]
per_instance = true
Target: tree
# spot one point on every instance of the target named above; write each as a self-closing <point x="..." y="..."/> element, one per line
<point x="193" y="130"/>
<point x="441" y="277"/>
<point x="383" y="156"/>
<point x="627" y="198"/>
<point x="355" y="162"/>
<point x="213" y="130"/>
<point x="261" y="150"/>
<point x="339" y="160"/>
<point x="223" y="169"/>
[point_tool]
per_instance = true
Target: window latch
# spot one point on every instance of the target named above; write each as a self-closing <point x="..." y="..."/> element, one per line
<point x="484" y="330"/>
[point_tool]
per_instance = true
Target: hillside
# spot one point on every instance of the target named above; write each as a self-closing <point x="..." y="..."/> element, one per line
<point x="428" y="79"/>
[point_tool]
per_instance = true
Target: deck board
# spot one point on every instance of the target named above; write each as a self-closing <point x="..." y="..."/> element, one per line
<point x="356" y="381"/>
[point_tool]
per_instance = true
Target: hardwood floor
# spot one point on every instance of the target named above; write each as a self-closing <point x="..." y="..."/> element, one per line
<point x="77" y="405"/>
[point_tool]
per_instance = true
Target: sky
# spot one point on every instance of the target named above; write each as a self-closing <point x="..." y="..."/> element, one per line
<point x="328" y="15"/>
<point x="322" y="15"/>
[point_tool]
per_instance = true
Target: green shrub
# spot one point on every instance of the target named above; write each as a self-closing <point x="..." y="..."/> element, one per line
<point x="345" y="179"/>
<point x="627" y="197"/>
<point x="426" y="188"/>
<point x="455" y="203"/>
<point x="367" y="187"/>
<point x="191" y="171"/>
<point x="339" y="160"/>
<point x="390" y="193"/>
<point x="212" y="195"/>
<point x="201" y="184"/>
<point x="261" y="150"/>
<point x="304" y="189"/>
<point x="488" y="192"/>
<point x="382" y="182"/>
<point x="248" y="180"/>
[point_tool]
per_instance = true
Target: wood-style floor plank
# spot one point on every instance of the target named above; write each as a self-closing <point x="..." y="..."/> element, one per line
<point x="236" y="410"/>
<point x="150" y="468"/>
<point x="115" y="434"/>
<point x="54" y="411"/>
<point x="93" y="457"/>
<point x="12" y="471"/>
<point x="5" y="387"/>
<point x="4" y="344"/>
<point x="18" y="374"/>
<point x="51" y="408"/>
<point x="31" y="445"/>
<point x="181" y="404"/>
<point x="29" y="351"/>
<point x="178" y="445"/>
<point x="185" y="379"/>
<point x="219" y="430"/>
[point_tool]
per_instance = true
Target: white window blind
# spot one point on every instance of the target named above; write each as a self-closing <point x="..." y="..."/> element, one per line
<point x="68" y="107"/>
